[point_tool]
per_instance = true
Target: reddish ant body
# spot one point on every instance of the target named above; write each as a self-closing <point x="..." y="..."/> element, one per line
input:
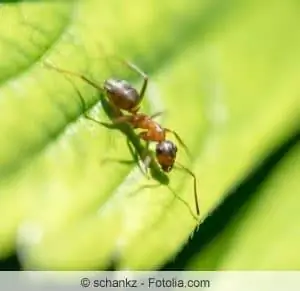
<point x="123" y="96"/>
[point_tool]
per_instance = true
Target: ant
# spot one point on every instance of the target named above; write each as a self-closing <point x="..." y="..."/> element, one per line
<point x="123" y="96"/>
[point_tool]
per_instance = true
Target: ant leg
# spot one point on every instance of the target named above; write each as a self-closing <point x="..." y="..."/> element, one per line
<point x="142" y="74"/>
<point x="82" y="77"/>
<point x="122" y="119"/>
<point x="136" y="69"/>
<point x="116" y="110"/>
<point x="156" y="114"/>
<point x="146" y="159"/>
<point x="179" y="140"/>
<point x="143" y="160"/>
<point x="144" y="166"/>
<point x="144" y="136"/>
<point x="132" y="150"/>
<point x="195" y="185"/>
<point x="116" y="121"/>
<point x="114" y="107"/>
<point x="83" y="105"/>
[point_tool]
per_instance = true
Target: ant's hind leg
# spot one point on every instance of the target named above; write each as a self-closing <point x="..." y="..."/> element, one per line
<point x="67" y="73"/>
<point x="137" y="70"/>
<point x="133" y="68"/>
<point x="142" y="74"/>
<point x="70" y="73"/>
<point x="82" y="102"/>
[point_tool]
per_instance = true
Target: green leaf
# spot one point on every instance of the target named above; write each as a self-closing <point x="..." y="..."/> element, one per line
<point x="225" y="72"/>
<point x="264" y="234"/>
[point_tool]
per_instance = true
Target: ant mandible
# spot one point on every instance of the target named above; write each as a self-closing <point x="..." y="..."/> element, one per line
<point x="123" y="96"/>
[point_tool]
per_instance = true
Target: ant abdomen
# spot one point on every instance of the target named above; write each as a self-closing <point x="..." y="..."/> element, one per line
<point x="122" y="94"/>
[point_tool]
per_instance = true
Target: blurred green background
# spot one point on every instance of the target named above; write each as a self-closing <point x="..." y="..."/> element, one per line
<point x="226" y="74"/>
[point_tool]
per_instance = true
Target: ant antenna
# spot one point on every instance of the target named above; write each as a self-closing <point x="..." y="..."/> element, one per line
<point x="195" y="185"/>
<point x="180" y="141"/>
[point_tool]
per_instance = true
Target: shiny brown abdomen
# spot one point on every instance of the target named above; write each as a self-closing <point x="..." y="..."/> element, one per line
<point x="122" y="94"/>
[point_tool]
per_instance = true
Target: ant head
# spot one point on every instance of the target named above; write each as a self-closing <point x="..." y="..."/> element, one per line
<point x="166" y="154"/>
